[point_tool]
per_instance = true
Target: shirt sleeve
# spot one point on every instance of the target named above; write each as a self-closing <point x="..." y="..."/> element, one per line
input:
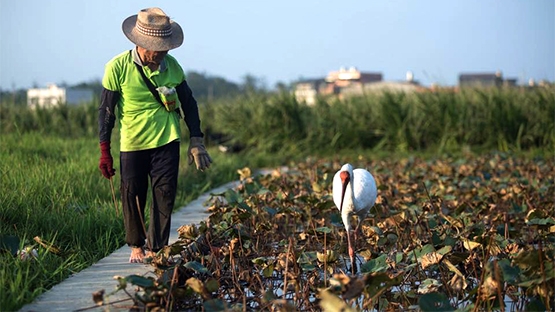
<point x="109" y="98"/>
<point x="190" y="109"/>
<point x="112" y="72"/>
<point x="106" y="114"/>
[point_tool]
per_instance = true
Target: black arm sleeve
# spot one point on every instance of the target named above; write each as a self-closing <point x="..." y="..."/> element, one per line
<point x="106" y="115"/>
<point x="189" y="108"/>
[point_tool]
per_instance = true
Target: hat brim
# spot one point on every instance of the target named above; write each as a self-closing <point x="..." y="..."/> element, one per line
<point x="152" y="43"/>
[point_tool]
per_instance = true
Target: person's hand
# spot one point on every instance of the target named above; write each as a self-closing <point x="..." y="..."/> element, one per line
<point x="106" y="163"/>
<point x="197" y="153"/>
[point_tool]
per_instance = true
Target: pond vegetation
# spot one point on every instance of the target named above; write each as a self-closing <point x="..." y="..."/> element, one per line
<point x="446" y="234"/>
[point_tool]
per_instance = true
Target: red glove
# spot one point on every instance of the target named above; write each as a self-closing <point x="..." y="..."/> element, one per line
<point x="106" y="163"/>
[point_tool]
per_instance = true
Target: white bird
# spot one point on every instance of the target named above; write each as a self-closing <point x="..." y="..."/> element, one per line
<point x="354" y="193"/>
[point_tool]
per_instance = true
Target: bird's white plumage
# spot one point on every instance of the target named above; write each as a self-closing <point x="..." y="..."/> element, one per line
<point x="354" y="192"/>
<point x="360" y="194"/>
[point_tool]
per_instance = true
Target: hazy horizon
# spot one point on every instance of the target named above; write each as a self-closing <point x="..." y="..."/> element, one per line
<point x="52" y="41"/>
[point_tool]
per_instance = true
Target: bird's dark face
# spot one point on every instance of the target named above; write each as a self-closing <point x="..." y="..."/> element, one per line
<point x="345" y="179"/>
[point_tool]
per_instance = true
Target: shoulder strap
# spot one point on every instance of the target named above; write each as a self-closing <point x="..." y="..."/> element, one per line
<point x="151" y="87"/>
<point x="149" y="84"/>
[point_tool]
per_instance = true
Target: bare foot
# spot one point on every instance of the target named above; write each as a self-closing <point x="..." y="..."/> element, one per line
<point x="137" y="255"/>
<point x="150" y="254"/>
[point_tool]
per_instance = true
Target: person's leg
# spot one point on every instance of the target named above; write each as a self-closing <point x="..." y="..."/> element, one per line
<point x="134" y="187"/>
<point x="163" y="175"/>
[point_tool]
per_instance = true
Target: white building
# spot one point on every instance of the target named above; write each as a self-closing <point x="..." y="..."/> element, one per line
<point x="54" y="96"/>
<point x="307" y="90"/>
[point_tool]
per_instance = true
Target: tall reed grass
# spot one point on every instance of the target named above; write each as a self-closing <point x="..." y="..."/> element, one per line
<point x="64" y="121"/>
<point x="503" y="119"/>
<point x="495" y="118"/>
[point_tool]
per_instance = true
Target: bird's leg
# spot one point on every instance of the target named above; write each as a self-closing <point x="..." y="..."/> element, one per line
<point x="357" y="228"/>
<point x="355" y="232"/>
<point x="351" y="253"/>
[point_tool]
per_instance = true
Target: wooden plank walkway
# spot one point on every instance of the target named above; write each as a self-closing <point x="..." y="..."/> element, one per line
<point x="75" y="293"/>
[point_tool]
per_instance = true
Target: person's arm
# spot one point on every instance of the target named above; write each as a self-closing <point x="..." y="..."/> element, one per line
<point x="106" y="121"/>
<point x="106" y="114"/>
<point x="190" y="109"/>
<point x="197" y="151"/>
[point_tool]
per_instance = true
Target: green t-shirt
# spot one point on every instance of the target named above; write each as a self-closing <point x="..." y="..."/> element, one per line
<point x="143" y="122"/>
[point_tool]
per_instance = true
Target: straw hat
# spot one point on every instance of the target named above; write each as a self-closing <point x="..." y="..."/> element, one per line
<point x="153" y="30"/>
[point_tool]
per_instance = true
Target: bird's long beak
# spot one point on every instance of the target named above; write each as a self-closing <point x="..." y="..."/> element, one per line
<point x="342" y="196"/>
<point x="344" y="184"/>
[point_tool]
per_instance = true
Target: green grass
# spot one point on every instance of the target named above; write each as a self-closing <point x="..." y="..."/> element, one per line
<point x="51" y="188"/>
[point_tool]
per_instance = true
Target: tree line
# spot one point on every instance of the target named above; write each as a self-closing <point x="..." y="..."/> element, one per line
<point x="205" y="87"/>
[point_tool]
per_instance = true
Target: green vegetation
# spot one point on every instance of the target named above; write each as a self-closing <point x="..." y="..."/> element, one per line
<point x="501" y="119"/>
<point x="472" y="233"/>
<point x="51" y="188"/>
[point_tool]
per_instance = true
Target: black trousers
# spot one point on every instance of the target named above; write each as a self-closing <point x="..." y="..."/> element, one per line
<point x="161" y="165"/>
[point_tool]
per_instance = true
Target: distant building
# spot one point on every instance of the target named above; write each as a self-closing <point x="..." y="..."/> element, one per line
<point x="485" y="80"/>
<point x="334" y="83"/>
<point x="510" y="82"/>
<point x="307" y="90"/>
<point x="55" y="96"/>
<point x="345" y="77"/>
<point x="407" y="86"/>
<point x="384" y="86"/>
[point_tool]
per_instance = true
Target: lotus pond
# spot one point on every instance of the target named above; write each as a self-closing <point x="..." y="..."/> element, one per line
<point x="465" y="234"/>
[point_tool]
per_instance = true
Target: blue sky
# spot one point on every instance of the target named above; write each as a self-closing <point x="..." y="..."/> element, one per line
<point x="54" y="41"/>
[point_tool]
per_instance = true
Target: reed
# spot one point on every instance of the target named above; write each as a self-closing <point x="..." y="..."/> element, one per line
<point x="502" y="119"/>
<point x="506" y="119"/>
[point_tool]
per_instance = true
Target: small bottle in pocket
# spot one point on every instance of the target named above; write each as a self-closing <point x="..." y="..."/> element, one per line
<point x="168" y="97"/>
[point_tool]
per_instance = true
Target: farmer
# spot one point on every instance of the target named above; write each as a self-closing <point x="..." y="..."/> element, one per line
<point x="145" y="89"/>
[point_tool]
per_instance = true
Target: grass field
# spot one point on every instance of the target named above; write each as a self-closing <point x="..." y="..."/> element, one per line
<point x="51" y="188"/>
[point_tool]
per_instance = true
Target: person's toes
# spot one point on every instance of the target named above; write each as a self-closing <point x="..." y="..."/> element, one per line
<point x="137" y="255"/>
<point x="135" y="260"/>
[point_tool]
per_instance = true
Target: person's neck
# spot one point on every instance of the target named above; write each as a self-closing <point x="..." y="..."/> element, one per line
<point x="152" y="66"/>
